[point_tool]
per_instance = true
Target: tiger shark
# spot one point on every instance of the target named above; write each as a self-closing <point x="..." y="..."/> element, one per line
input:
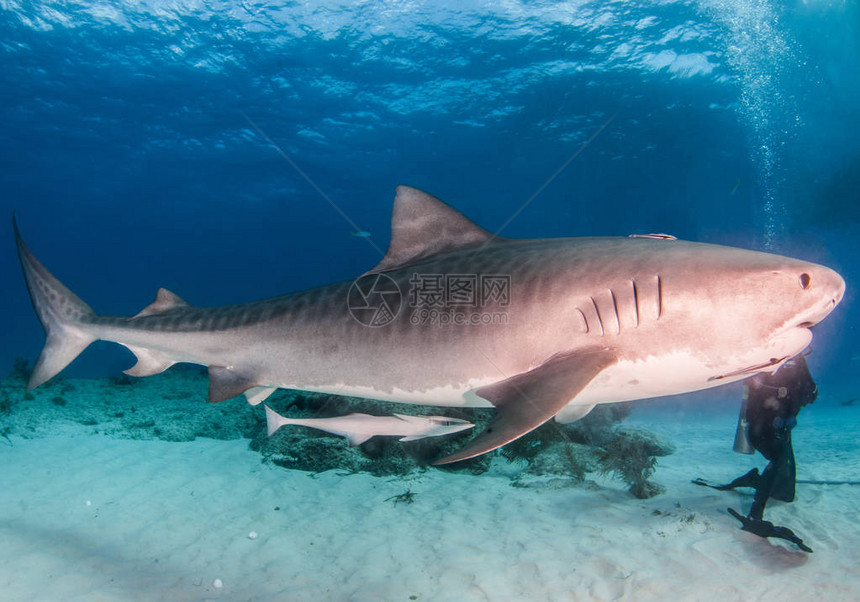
<point x="456" y="316"/>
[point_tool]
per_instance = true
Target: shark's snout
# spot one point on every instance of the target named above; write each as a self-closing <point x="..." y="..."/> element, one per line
<point x="828" y="289"/>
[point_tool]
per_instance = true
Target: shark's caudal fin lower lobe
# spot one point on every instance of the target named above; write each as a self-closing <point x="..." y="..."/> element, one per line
<point x="62" y="313"/>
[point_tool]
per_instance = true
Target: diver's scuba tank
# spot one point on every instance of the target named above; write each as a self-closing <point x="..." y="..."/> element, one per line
<point x="742" y="439"/>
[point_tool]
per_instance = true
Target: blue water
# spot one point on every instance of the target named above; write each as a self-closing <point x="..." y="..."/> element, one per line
<point x="231" y="151"/>
<point x="133" y="141"/>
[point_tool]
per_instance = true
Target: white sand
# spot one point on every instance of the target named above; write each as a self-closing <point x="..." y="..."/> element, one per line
<point x="94" y="518"/>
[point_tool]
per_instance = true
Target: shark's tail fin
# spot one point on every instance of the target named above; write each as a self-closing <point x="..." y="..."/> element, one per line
<point x="63" y="315"/>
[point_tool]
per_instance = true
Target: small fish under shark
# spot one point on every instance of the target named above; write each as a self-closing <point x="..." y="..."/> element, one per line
<point x="358" y="428"/>
<point x="535" y="328"/>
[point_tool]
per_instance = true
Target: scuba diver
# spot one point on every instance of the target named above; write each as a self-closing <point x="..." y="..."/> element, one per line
<point x="768" y="413"/>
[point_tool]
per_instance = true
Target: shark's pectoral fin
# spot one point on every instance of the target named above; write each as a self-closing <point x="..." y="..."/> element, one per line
<point x="226" y="383"/>
<point x="525" y="401"/>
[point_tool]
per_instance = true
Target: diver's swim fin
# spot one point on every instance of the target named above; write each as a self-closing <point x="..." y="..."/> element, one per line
<point x="749" y="479"/>
<point x="764" y="528"/>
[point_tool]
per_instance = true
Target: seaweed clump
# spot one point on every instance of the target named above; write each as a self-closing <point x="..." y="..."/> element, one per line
<point x="167" y="407"/>
<point x="631" y="456"/>
<point x="15" y="380"/>
<point x="595" y="444"/>
<point x="5" y="403"/>
<point x="19" y="374"/>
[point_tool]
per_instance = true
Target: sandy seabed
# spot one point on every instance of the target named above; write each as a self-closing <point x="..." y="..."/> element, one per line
<point x="94" y="518"/>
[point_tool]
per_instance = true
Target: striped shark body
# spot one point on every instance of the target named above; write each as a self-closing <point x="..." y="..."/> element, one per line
<point x="454" y="316"/>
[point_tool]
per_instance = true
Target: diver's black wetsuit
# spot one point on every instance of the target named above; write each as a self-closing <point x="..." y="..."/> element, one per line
<point x="771" y="405"/>
<point x="773" y="402"/>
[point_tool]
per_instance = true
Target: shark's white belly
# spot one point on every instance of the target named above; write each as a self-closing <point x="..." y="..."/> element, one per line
<point x="671" y="373"/>
<point x="655" y="376"/>
<point x="448" y="396"/>
<point x="626" y="380"/>
<point x="681" y="372"/>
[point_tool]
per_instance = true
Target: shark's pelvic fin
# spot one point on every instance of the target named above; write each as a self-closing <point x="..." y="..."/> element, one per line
<point x="149" y="362"/>
<point x="356" y="439"/>
<point x="525" y="401"/>
<point x="574" y="413"/>
<point x="226" y="383"/>
<point x="164" y="302"/>
<point x="422" y="225"/>
<point x="257" y="395"/>
<point x="62" y="313"/>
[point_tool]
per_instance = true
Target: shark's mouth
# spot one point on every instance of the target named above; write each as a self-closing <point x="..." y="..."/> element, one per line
<point x="768" y="366"/>
<point x="817" y="314"/>
<point x="781" y="347"/>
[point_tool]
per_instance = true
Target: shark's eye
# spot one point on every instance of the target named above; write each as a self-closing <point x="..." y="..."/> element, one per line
<point x="805" y="279"/>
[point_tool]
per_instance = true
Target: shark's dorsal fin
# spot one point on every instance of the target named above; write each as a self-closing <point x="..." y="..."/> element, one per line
<point x="164" y="301"/>
<point x="422" y="225"/>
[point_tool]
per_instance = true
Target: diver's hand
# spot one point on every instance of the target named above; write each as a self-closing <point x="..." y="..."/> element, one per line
<point x="764" y="528"/>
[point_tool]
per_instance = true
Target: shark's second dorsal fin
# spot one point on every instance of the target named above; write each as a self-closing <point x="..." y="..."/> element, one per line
<point x="422" y="225"/>
<point x="164" y="301"/>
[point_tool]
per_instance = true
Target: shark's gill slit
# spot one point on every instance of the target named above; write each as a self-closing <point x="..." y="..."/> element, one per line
<point x="635" y="301"/>
<point x="659" y="297"/>
<point x="584" y="319"/>
<point x="615" y="307"/>
<point x="599" y="319"/>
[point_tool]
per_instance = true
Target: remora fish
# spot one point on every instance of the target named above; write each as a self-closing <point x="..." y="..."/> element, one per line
<point x="358" y="428"/>
<point x="586" y="321"/>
